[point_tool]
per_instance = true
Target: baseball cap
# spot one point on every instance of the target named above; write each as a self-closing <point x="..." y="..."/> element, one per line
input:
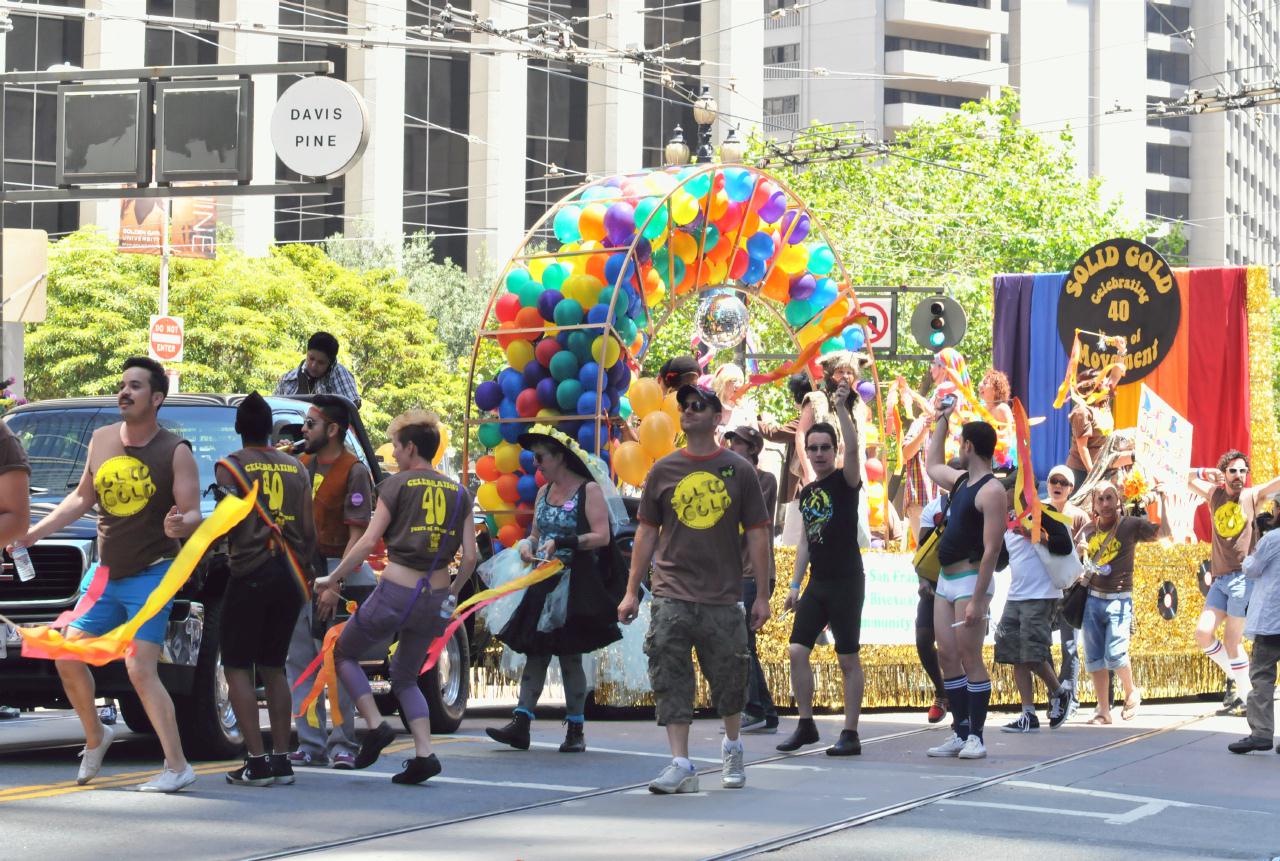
<point x="749" y="435"/>
<point x="702" y="392"/>
<point x="673" y="369"/>
<point x="1062" y="472"/>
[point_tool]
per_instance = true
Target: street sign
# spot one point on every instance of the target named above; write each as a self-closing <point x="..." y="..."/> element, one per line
<point x="320" y="127"/>
<point x="165" y="343"/>
<point x="880" y="327"/>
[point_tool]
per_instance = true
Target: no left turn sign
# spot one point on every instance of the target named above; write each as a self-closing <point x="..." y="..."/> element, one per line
<point x="880" y="326"/>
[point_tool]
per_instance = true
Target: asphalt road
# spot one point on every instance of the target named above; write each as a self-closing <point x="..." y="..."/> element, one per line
<point x="1161" y="786"/>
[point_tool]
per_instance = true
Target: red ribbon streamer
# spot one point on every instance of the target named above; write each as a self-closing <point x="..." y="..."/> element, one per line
<point x="808" y="353"/>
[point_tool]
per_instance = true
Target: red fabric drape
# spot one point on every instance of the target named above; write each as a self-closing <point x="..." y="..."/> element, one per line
<point x="1218" y="369"/>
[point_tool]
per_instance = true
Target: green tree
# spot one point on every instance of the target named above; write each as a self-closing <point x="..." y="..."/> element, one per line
<point x="247" y="322"/>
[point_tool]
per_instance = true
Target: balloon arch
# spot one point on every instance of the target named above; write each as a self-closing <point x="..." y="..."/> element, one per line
<point x="575" y="316"/>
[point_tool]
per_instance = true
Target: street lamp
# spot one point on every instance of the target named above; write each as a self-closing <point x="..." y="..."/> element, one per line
<point x="677" y="151"/>
<point x="731" y="149"/>
<point x="705" y="111"/>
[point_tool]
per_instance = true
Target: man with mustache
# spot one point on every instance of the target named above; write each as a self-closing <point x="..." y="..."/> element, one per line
<point x="1233" y="507"/>
<point x="146" y="486"/>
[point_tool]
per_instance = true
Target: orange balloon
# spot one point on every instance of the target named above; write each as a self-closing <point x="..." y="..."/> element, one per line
<point x="720" y="252"/>
<point x="632" y="462"/>
<point x="671" y="407"/>
<point x="837" y="310"/>
<point x="717" y="206"/>
<point x="529" y="318"/>
<point x="657" y="434"/>
<point x="646" y="397"/>
<point x="751" y="224"/>
<point x="777" y="286"/>
<point x="487" y="468"/>
<point x="595" y="266"/>
<point x="510" y="534"/>
<point x="591" y="221"/>
<point x="684" y="246"/>
<point x="505" y="341"/>
<point x="509" y="488"/>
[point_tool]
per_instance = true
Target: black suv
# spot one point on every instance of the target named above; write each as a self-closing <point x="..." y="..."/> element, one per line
<point x="56" y="436"/>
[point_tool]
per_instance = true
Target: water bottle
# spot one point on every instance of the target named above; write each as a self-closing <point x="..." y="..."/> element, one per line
<point x="22" y="562"/>
<point x="448" y="605"/>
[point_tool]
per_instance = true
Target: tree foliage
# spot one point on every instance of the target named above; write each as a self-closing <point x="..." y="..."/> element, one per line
<point x="247" y="321"/>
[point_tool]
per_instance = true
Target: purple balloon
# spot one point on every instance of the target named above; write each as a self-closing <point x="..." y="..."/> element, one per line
<point x="488" y="395"/>
<point x="620" y="223"/>
<point x="802" y="286"/>
<point x="866" y="389"/>
<point x="547" y="304"/>
<point x="547" y="393"/>
<point x="773" y="208"/>
<point x="644" y="250"/>
<point x="800" y="231"/>
<point x="535" y="373"/>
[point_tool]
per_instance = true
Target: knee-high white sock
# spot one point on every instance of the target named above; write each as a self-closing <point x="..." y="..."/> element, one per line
<point x="1218" y="654"/>
<point x="1240" y="672"/>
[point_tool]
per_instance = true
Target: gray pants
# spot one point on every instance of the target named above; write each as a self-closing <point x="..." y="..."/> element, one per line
<point x="1261" y="705"/>
<point x="322" y="740"/>
<point x="535" y="676"/>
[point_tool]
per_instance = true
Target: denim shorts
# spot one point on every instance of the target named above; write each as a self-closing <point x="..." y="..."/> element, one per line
<point x="122" y="599"/>
<point x="1230" y="593"/>
<point x="1106" y="633"/>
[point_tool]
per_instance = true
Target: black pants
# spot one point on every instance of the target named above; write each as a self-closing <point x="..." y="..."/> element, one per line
<point x="759" y="698"/>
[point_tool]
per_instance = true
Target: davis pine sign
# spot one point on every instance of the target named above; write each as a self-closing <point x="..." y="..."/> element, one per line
<point x="320" y="127"/>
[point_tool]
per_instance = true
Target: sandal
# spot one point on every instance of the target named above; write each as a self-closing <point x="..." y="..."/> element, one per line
<point x="1099" y="719"/>
<point x="1131" y="704"/>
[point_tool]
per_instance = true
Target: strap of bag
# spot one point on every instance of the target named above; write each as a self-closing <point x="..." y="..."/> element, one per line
<point x="277" y="538"/>
<point x="424" y="582"/>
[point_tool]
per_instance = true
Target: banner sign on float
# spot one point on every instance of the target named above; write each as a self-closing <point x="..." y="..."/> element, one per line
<point x="892" y="593"/>
<point x="1121" y="287"/>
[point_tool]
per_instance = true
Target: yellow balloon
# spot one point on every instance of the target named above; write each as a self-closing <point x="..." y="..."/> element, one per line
<point x="538" y="266"/>
<point x="606" y="350"/>
<point x="489" y="498"/>
<point x="713" y="271"/>
<point x="444" y="444"/>
<point x="631" y="462"/>
<point x="657" y="435"/>
<point x="684" y="246"/>
<point x="519" y="354"/>
<point x="507" y="456"/>
<point x="671" y="407"/>
<point x="793" y="258"/>
<point x="504" y="519"/>
<point x="684" y="207"/>
<point x="808" y="335"/>
<point x="646" y="396"/>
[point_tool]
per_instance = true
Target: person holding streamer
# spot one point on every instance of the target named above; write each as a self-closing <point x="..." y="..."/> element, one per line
<point x="1091" y="417"/>
<point x="570" y="524"/>
<point x="267" y="587"/>
<point x="425" y="518"/>
<point x="146" y="486"/>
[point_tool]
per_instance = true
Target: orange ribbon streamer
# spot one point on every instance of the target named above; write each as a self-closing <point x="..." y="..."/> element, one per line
<point x="808" y="353"/>
<point x="326" y="669"/>
<point x="1026" y="500"/>
<point x="1069" y="381"/>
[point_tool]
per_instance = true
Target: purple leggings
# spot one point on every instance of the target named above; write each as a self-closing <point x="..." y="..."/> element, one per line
<point x="392" y="608"/>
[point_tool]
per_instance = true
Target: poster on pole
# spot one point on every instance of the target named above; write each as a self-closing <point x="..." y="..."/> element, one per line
<point x="193" y="226"/>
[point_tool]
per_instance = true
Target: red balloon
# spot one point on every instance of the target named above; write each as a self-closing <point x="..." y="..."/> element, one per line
<point x="539" y="478"/>
<point x="487" y="468"/>
<point x="875" y="469"/>
<point x="509" y="488"/>
<point x="524" y="515"/>
<point x="506" y="308"/>
<point x="732" y="217"/>
<point x="527" y="403"/>
<point x="510" y="534"/>
<point x="761" y="195"/>
<point x="741" y="260"/>
<point x="546" y="348"/>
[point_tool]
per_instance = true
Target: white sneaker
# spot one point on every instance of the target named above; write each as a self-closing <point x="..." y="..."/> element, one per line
<point x="674" y="780"/>
<point x="733" y="775"/>
<point x="91" y="760"/>
<point x="950" y="747"/>
<point x="169" y="780"/>
<point x="973" y="749"/>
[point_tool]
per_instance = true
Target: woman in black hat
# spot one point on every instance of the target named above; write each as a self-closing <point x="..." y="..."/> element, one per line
<point x="571" y="523"/>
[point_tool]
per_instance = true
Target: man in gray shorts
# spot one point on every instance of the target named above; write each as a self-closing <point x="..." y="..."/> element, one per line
<point x="697" y="503"/>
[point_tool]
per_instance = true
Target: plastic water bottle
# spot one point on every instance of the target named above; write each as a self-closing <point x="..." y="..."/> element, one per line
<point x="448" y="605"/>
<point x="22" y="562"/>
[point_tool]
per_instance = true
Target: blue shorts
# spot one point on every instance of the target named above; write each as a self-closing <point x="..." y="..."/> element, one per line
<point x="1230" y="593"/>
<point x="1106" y="633"/>
<point x="124" y="598"/>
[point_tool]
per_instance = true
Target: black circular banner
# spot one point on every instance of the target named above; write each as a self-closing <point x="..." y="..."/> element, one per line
<point x="1204" y="578"/>
<point x="1120" y="287"/>
<point x="1167" y="600"/>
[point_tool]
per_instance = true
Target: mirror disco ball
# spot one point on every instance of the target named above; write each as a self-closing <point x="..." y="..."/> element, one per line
<point x="722" y="321"/>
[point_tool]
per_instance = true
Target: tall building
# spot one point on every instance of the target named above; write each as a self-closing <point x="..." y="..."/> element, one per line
<point x="472" y="147"/>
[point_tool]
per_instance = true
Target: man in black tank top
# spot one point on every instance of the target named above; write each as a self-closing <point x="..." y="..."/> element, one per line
<point x="971" y="540"/>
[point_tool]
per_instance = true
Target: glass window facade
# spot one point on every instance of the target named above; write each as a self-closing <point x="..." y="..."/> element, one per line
<point x="556" y="129"/>
<point x="664" y="108"/>
<point x="167" y="46"/>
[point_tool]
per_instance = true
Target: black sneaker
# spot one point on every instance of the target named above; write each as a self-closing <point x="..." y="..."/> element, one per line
<point x="847" y="745"/>
<point x="1058" y="707"/>
<point x="1025" y="722"/>
<point x="750" y="722"/>
<point x="418" y="770"/>
<point x="374" y="741"/>
<point x="806" y="733"/>
<point x="1249" y="743"/>
<point x="1229" y="694"/>
<point x="1234" y="708"/>
<point x="281" y="769"/>
<point x="256" y="771"/>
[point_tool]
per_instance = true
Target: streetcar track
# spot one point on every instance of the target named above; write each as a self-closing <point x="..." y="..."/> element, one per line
<point x="537" y="805"/>
<point x="773" y="844"/>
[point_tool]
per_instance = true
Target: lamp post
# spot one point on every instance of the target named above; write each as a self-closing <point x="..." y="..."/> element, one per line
<point x="705" y="111"/>
<point x="677" y="151"/>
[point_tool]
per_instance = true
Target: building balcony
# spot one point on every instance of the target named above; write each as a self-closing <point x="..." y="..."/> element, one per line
<point x="901" y="116"/>
<point x="934" y="15"/>
<point x="1164" y="182"/>
<point x="784" y="22"/>
<point x="783" y="71"/>
<point x="961" y="70"/>
<point x="781" y="124"/>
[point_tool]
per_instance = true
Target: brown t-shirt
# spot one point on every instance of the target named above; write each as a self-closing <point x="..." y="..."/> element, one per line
<point x="428" y="514"/>
<point x="1116" y="550"/>
<point x="699" y="503"/>
<point x="769" y="488"/>
<point x="1094" y="422"/>
<point x="284" y="491"/>
<point x="1233" y="534"/>
<point x="12" y="455"/>
<point x="134" y="487"/>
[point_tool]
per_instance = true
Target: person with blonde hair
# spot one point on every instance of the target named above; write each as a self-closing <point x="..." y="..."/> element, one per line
<point x="727" y="382"/>
<point x="424" y="517"/>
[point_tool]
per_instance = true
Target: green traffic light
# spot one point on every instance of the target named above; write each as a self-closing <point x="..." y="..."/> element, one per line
<point x="938" y="339"/>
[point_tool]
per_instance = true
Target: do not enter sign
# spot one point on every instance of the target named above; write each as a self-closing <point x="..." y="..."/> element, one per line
<point x="165" y="343"/>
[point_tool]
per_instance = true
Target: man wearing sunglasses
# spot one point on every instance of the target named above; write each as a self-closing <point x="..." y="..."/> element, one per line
<point x="698" y="501"/>
<point x="1061" y="484"/>
<point x="1233" y="507"/>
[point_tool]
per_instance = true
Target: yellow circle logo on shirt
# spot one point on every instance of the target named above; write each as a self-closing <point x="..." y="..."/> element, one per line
<point x="124" y="485"/>
<point x="700" y="500"/>
<point x="1228" y="520"/>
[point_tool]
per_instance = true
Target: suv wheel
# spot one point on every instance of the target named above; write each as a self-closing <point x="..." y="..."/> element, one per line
<point x="448" y="685"/>
<point x="205" y="718"/>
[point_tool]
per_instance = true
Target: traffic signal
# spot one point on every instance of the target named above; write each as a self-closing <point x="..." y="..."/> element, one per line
<point x="938" y="322"/>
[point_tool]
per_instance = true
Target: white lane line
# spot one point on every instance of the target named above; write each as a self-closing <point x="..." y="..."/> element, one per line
<point x="594" y="749"/>
<point x="1098" y="793"/>
<point x="466" y="781"/>
<point x="1027" y="808"/>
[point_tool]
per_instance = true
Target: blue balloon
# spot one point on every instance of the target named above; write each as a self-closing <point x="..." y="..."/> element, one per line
<point x="489" y="395"/>
<point x="855" y="338"/>
<point x="571" y="427"/>
<point x="587" y="437"/>
<point x="755" y="270"/>
<point x="587" y="403"/>
<point x="527" y="486"/>
<point x="567" y="394"/>
<point x="614" y="374"/>
<point x="546" y="396"/>
<point x="618" y="264"/>
<point x="507" y="410"/>
<point x="613" y="404"/>
<point x="512" y="383"/>
<point x="738" y="184"/>
<point x="528" y="463"/>
<point x="623" y="382"/>
<point x="534" y="373"/>
<point x="512" y="432"/>
<point x="825" y="293"/>
<point x="588" y="375"/>
<point x="598" y="314"/>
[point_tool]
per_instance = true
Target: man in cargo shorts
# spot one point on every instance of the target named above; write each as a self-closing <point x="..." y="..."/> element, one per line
<point x="697" y="503"/>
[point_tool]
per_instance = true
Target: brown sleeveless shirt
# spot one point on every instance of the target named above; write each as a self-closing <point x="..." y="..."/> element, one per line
<point x="134" y="486"/>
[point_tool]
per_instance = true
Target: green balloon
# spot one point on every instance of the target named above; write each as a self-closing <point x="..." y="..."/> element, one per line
<point x="564" y="365"/>
<point x="489" y="435"/>
<point x="626" y="330"/>
<point x="517" y="279"/>
<point x="554" y="276"/>
<point x="580" y="346"/>
<point x="657" y="224"/>
<point x="567" y="313"/>
<point x="529" y="294"/>
<point x="699" y="185"/>
<point x="624" y="408"/>
<point x="641" y="318"/>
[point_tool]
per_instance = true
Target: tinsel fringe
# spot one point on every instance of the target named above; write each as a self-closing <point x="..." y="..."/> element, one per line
<point x="1265" y="449"/>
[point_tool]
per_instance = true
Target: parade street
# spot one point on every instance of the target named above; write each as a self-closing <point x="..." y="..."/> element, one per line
<point x="1161" y="786"/>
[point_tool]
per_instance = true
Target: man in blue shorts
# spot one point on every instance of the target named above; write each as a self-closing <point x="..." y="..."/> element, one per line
<point x="145" y="484"/>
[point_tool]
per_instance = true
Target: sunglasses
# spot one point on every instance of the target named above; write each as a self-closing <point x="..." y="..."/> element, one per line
<point x="1238" y="470"/>
<point x="1061" y="482"/>
<point x="695" y="406"/>
<point x="310" y="423"/>
<point x="820" y="448"/>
